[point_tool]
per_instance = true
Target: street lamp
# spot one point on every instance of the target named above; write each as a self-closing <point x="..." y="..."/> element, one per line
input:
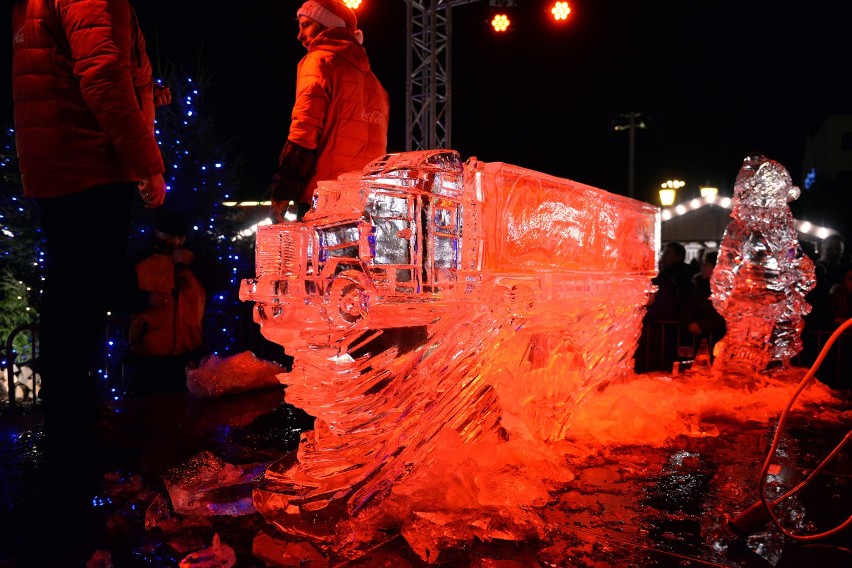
<point x="634" y="121"/>
<point x="668" y="191"/>
<point x="709" y="192"/>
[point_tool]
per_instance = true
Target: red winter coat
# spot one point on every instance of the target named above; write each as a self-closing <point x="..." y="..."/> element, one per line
<point x="175" y="328"/>
<point x="83" y="94"/>
<point x="341" y="109"/>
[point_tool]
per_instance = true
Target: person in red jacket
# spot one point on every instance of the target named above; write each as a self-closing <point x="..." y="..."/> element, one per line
<point x="166" y="291"/>
<point x="84" y="125"/>
<point x="339" y="121"/>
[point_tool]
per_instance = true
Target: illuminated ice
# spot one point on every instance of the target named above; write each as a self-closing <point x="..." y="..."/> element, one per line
<point x="238" y="373"/>
<point x="217" y="555"/>
<point x="446" y="320"/>
<point x="205" y="485"/>
<point x="762" y="276"/>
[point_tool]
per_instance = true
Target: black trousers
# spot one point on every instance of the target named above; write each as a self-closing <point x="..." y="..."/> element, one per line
<point x="86" y="236"/>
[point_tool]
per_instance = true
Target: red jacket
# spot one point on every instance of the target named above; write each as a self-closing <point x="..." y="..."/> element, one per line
<point x="83" y="96"/>
<point x="341" y="109"/>
<point x="175" y="328"/>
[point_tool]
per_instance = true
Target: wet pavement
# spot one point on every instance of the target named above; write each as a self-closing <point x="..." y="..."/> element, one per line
<point x="627" y="506"/>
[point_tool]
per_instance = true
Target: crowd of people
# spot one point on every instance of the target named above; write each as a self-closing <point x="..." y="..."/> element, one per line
<point x="82" y="167"/>
<point x="830" y="297"/>
<point x="831" y="306"/>
<point x="678" y="313"/>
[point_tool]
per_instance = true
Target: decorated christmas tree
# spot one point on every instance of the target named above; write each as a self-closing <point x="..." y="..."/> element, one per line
<point x="202" y="172"/>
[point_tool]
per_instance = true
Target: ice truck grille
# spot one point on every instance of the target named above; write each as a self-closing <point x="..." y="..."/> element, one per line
<point x="277" y="252"/>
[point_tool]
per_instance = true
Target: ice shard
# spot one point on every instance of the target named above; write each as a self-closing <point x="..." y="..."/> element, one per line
<point x="762" y="276"/>
<point x="446" y="320"/>
<point x="241" y="372"/>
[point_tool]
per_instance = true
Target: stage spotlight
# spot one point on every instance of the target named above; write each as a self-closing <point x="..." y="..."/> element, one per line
<point x="560" y="11"/>
<point x="500" y="22"/>
<point x="500" y="10"/>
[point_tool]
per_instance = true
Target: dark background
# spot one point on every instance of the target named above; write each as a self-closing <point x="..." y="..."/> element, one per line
<point x="713" y="80"/>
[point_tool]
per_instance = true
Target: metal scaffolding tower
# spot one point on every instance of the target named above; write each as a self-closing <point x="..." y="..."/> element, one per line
<point x="428" y="88"/>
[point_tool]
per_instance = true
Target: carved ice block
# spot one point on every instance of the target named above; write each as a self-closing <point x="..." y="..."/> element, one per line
<point x="424" y="295"/>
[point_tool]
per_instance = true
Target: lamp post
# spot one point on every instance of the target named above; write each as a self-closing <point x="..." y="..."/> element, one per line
<point x="633" y="122"/>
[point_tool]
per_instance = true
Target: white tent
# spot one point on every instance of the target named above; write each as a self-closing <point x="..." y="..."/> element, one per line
<point x="700" y="224"/>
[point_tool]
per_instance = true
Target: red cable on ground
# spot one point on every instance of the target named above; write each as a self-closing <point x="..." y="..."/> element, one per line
<point x="761" y="512"/>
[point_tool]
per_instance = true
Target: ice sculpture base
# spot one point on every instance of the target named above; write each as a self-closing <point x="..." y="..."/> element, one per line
<point x="488" y="424"/>
<point x="285" y="502"/>
<point x="488" y="490"/>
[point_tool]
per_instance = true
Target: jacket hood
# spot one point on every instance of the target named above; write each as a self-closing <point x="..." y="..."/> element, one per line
<point x="341" y="42"/>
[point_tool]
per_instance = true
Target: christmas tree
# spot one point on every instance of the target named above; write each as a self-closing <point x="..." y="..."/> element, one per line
<point x="202" y="172"/>
<point x="20" y="253"/>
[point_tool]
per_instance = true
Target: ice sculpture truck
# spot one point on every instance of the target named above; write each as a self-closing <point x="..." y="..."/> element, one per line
<point x="417" y="233"/>
<point x="425" y="300"/>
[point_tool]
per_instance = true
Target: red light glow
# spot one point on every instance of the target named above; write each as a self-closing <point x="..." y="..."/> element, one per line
<point x="352" y="4"/>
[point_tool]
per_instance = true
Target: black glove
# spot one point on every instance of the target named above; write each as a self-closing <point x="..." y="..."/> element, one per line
<point x="296" y="167"/>
<point x="284" y="190"/>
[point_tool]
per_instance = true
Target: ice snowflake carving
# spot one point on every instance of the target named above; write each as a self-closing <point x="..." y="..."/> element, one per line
<point x="446" y="319"/>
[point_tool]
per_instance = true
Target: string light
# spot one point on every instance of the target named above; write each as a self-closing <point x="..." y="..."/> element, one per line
<point x="805" y="227"/>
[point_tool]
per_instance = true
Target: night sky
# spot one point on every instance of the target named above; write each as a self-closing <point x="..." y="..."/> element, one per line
<point x="713" y="80"/>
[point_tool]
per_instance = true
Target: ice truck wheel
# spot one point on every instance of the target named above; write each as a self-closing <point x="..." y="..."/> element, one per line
<point x="349" y="300"/>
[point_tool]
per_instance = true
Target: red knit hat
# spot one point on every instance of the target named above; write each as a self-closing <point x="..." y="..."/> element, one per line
<point x="329" y="13"/>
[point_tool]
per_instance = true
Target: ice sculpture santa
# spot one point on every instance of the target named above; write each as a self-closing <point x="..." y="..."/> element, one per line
<point x="762" y="276"/>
